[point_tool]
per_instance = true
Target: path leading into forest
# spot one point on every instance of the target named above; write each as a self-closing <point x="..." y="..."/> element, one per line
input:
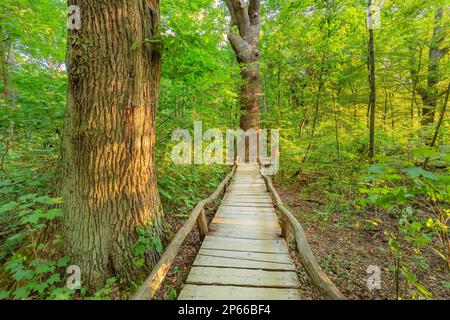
<point x="243" y="255"/>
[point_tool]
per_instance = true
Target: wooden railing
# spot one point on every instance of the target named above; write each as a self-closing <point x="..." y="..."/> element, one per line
<point x="197" y="217"/>
<point x="319" y="279"/>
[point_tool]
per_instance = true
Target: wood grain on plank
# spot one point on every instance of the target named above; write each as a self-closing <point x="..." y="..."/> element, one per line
<point x="267" y="246"/>
<point x="211" y="261"/>
<point x="207" y="292"/>
<point x="243" y="277"/>
<point x="246" y="255"/>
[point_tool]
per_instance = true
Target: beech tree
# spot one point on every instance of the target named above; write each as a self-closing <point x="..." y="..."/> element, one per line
<point x="109" y="184"/>
<point x="244" y="39"/>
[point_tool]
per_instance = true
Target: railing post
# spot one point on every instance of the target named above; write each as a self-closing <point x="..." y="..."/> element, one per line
<point x="202" y="224"/>
<point x="285" y="229"/>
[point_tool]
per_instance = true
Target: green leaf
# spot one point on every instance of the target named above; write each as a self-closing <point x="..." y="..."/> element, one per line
<point x="32" y="218"/>
<point x="139" y="250"/>
<point x="41" y="287"/>
<point x="139" y="262"/>
<point x="45" y="267"/>
<point x="62" y="262"/>
<point x="22" y="274"/>
<point x="8" y="207"/>
<point x="424" y="291"/>
<point x="158" y="244"/>
<point x="376" y="170"/>
<point x="22" y="292"/>
<point x="53" y="213"/>
<point x="53" y="279"/>
<point x="4" y="295"/>
<point x="415" y="172"/>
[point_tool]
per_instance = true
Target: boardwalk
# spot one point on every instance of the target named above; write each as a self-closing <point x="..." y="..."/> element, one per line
<point x="243" y="255"/>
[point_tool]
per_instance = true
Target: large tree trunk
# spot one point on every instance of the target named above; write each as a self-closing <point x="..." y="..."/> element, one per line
<point x="372" y="83"/>
<point x="245" y="45"/>
<point x="250" y="92"/>
<point x="109" y="184"/>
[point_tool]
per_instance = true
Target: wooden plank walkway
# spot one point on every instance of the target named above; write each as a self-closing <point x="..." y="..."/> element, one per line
<point x="243" y="256"/>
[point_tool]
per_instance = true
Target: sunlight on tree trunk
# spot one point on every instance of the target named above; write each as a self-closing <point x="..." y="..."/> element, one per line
<point x="109" y="183"/>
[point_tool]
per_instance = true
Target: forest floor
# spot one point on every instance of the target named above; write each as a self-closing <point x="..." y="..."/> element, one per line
<point x="345" y="248"/>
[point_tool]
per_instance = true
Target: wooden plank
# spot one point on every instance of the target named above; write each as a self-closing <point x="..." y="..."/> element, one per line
<point x="249" y="213"/>
<point x="243" y="277"/>
<point x="248" y="205"/>
<point x="261" y="216"/>
<point x="207" y="292"/>
<point x="260" y="227"/>
<point x="208" y="261"/>
<point x="253" y="235"/>
<point x="249" y="194"/>
<point x="258" y="188"/>
<point x="244" y="255"/>
<point x="244" y="209"/>
<point x="238" y="200"/>
<point x="256" y="215"/>
<point x="247" y="199"/>
<point x="245" y="221"/>
<point x="265" y="246"/>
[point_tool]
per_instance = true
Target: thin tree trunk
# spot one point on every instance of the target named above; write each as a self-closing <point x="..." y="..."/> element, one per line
<point x="372" y="83"/>
<point x="108" y="175"/>
<point x="415" y="76"/>
<point x="386" y="101"/>
<point x="302" y="124"/>
<point x="430" y="94"/>
<point x="439" y="124"/>
<point x="392" y="112"/>
<point x="336" y="127"/>
<point x="355" y="107"/>
<point x="279" y="91"/>
<point x="7" y="65"/>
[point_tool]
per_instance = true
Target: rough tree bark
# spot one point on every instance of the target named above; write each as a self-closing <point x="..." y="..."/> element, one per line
<point x="245" y="42"/>
<point x="108" y="176"/>
<point x="430" y="93"/>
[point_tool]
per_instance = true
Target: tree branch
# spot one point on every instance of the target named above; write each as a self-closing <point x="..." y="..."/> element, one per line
<point x="230" y="9"/>
<point x="254" y="11"/>
<point x="241" y="17"/>
<point x="240" y="47"/>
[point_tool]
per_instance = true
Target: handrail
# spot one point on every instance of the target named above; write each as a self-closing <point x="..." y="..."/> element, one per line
<point x="159" y="272"/>
<point x="307" y="259"/>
